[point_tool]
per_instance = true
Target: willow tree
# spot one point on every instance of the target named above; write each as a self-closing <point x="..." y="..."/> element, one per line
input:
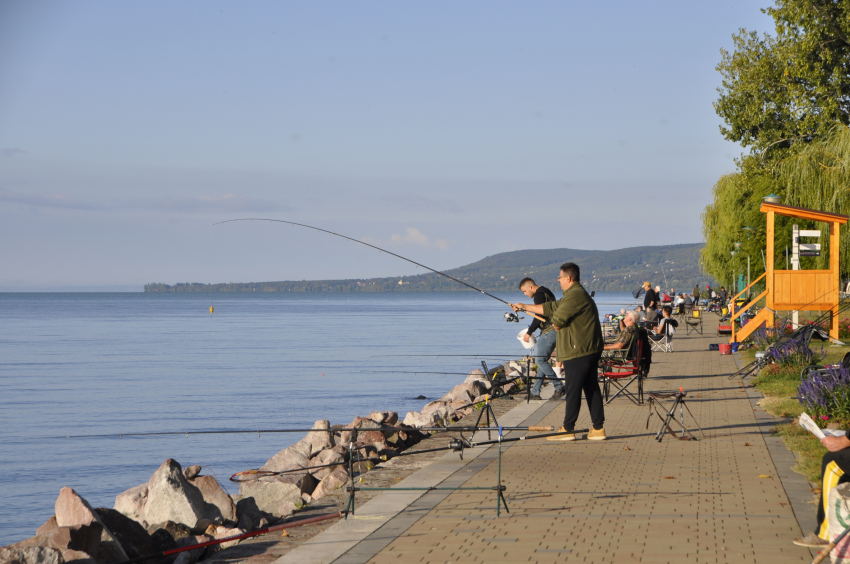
<point x="818" y="177"/>
<point x="734" y="217"/>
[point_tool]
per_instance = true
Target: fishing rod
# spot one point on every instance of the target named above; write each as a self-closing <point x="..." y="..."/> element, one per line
<point x="256" y="474"/>
<point x="508" y="316"/>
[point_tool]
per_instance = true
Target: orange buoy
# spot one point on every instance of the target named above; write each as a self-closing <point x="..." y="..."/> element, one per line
<point x="211" y="310"/>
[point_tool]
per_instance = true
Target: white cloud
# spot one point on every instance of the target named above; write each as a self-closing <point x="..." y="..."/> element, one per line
<point x="413" y="236"/>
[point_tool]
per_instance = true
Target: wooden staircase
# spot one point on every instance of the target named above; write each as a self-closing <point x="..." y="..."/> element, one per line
<point x="763" y="317"/>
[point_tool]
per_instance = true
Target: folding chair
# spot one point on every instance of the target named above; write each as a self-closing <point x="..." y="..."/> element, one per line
<point x="694" y="323"/>
<point x="613" y="371"/>
<point x="664" y="343"/>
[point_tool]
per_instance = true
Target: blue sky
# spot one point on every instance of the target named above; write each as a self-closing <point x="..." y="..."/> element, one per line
<point x="444" y="131"/>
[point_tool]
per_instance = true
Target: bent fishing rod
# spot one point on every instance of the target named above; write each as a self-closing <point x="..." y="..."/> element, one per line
<point x="508" y="316"/>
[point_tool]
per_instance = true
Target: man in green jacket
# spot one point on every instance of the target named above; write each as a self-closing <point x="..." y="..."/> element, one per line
<point x="578" y="347"/>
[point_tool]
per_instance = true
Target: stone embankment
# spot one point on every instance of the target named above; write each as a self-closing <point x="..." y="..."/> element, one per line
<point x="181" y="507"/>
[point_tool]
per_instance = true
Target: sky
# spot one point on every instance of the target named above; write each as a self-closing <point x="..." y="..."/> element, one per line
<point x="442" y="131"/>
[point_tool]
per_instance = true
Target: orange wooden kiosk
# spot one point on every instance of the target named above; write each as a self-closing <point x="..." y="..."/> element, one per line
<point x="794" y="290"/>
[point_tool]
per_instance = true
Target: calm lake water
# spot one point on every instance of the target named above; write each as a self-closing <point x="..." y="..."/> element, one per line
<point x="75" y="364"/>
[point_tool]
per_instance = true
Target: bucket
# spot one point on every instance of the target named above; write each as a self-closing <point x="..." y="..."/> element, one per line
<point x="725" y="348"/>
<point x="735" y="346"/>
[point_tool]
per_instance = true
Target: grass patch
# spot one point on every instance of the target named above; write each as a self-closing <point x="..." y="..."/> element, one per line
<point x="808" y="449"/>
<point x="779" y="386"/>
<point x="778" y="382"/>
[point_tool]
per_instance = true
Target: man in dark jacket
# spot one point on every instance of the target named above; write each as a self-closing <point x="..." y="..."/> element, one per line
<point x="650" y="300"/>
<point x="545" y="342"/>
<point x="578" y="348"/>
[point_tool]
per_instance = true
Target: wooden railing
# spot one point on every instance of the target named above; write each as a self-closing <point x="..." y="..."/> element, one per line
<point x="733" y="315"/>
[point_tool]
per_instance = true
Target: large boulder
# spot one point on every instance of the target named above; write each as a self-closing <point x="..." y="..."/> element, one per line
<point x="132" y="503"/>
<point x="164" y="536"/>
<point x="72" y="510"/>
<point x="214" y="494"/>
<point x="359" y="423"/>
<point x="290" y="458"/>
<point x="171" y="497"/>
<point x="191" y="472"/>
<point x="77" y="557"/>
<point x="221" y="532"/>
<point x="416" y="419"/>
<point x="465" y="392"/>
<point x="320" y="440"/>
<point x="327" y="457"/>
<point x="30" y="555"/>
<point x="477" y="375"/>
<point x="131" y="535"/>
<point x="330" y="483"/>
<point x="82" y="538"/>
<point x="250" y="516"/>
<point x="385" y="418"/>
<point x="48" y="526"/>
<point x="269" y="493"/>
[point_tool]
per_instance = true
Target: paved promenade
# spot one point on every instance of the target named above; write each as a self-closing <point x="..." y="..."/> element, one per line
<point x="628" y="499"/>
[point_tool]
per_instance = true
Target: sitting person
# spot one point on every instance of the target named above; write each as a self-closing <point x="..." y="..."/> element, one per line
<point x="687" y="301"/>
<point x="666" y="326"/>
<point x="835" y="469"/>
<point x="651" y="315"/>
<point x="628" y="327"/>
<point x="641" y="313"/>
<point x="680" y="300"/>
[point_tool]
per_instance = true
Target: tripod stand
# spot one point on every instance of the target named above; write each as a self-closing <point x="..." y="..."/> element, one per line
<point x="670" y="416"/>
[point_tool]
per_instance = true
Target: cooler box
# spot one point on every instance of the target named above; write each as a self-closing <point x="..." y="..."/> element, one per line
<point x="724" y="329"/>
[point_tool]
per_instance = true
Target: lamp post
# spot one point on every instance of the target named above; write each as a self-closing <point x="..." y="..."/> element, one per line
<point x="734" y="271"/>
<point x="749" y="231"/>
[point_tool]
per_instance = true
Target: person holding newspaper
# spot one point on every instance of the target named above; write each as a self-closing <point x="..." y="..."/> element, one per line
<point x="835" y="470"/>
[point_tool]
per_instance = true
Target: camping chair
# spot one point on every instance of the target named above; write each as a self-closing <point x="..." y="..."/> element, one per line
<point x="694" y="323"/>
<point x="613" y="371"/>
<point x="664" y="342"/>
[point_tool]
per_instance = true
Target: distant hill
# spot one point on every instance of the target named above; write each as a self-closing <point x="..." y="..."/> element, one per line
<point x="612" y="271"/>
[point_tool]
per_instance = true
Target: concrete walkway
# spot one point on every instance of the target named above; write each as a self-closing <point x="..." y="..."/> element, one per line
<point x="628" y="499"/>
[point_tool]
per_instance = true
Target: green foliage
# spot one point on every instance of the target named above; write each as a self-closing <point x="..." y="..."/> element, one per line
<point x="785" y="89"/>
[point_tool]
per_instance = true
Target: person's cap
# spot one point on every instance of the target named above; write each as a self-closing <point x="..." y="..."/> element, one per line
<point x="647" y="284"/>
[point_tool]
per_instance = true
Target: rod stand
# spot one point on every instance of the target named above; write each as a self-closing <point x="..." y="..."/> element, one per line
<point x="670" y="416"/>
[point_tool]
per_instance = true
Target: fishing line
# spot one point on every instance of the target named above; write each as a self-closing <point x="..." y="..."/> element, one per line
<point x="372" y="246"/>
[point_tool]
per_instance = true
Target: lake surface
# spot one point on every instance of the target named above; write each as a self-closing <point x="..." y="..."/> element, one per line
<point x="87" y="363"/>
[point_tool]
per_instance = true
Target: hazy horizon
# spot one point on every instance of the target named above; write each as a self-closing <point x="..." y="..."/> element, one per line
<point x="444" y="132"/>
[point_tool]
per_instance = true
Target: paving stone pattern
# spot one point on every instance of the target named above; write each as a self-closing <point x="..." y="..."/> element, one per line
<point x="630" y="498"/>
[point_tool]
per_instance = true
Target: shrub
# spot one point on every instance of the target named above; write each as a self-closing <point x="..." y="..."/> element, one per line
<point x="796" y="352"/>
<point x="826" y="393"/>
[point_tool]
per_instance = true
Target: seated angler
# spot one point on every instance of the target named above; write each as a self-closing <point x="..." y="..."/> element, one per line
<point x="628" y="327"/>
<point x="662" y="328"/>
<point x="835" y="470"/>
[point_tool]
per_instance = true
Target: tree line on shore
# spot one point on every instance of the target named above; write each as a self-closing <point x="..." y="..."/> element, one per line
<point x="620" y="270"/>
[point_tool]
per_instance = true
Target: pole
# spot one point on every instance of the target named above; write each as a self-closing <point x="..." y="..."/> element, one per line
<point x="795" y="265"/>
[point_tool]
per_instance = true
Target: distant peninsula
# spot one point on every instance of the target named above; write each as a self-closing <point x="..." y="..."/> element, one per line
<point x="675" y="266"/>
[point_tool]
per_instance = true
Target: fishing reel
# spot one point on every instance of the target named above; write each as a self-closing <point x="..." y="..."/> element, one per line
<point x="458" y="445"/>
<point x="511" y="316"/>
